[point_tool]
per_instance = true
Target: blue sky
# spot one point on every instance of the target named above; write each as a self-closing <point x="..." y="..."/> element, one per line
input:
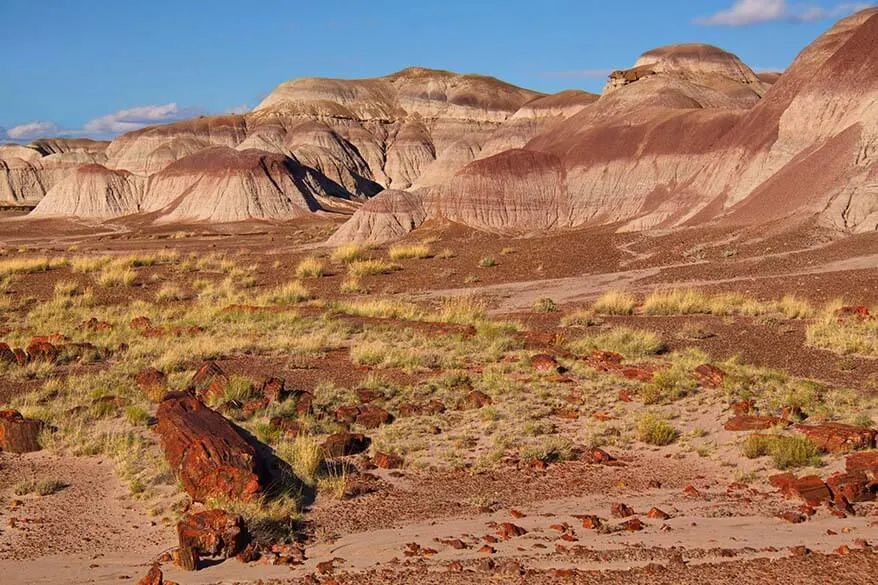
<point x="98" y="67"/>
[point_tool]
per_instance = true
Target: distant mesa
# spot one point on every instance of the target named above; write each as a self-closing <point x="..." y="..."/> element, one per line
<point x="687" y="135"/>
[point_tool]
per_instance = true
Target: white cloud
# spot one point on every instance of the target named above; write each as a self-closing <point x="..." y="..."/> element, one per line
<point x="30" y="131"/>
<point x="746" y="12"/>
<point x="136" y="118"/>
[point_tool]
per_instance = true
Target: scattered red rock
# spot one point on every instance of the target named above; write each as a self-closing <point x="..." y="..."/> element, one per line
<point x="810" y="488"/>
<point x="633" y="525"/>
<point x="860" y="313"/>
<point x="94" y="325"/>
<point x="207" y="453"/>
<point x="153" y="577"/>
<point x="433" y="407"/>
<point x="385" y="461"/>
<point x="6" y="354"/>
<point x="604" y="361"/>
<point x="691" y="491"/>
<point x="343" y="444"/>
<point x="590" y="522"/>
<point x="621" y="510"/>
<point x="475" y="399"/>
<point x="487" y="549"/>
<point x="839" y="438"/>
<point x="656" y="514"/>
<point x="867" y="462"/>
<point x="151" y="380"/>
<point x="599" y="456"/>
<point x="19" y="434"/>
<point x="208" y="380"/>
<point x="212" y="533"/>
<point x="544" y="363"/>
<point x="792" y="517"/>
<point x="273" y="389"/>
<point x="641" y="374"/>
<point x="624" y="396"/>
<point x="749" y="422"/>
<point x="710" y="376"/>
<point x="42" y="351"/>
<point x="141" y="322"/>
<point x="743" y="407"/>
<point x="508" y="530"/>
<point x="853" y="485"/>
<point x="372" y="417"/>
<point x="286" y="425"/>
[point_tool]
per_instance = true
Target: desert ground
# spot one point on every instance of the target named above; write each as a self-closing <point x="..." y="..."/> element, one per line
<point x="690" y="406"/>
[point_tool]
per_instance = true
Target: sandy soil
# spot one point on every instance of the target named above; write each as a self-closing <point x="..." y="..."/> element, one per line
<point x="94" y="531"/>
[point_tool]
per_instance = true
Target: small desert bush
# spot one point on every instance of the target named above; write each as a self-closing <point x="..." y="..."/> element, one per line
<point x="545" y="305"/>
<point x="654" y="430"/>
<point x="43" y="488"/>
<point x="631" y="343"/>
<point x="615" y="302"/>
<point x="445" y="254"/>
<point x="304" y="454"/>
<point x="348" y="253"/>
<point x="310" y="267"/>
<point x="136" y="415"/>
<point x="405" y="252"/>
<point x="580" y="318"/>
<point x="487" y="262"/>
<point x="360" y="268"/>
<point x="786" y="452"/>
<point x="286" y="294"/>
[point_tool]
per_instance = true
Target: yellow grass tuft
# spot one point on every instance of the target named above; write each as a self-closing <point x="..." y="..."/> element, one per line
<point x="615" y="302"/>
<point x="405" y="252"/>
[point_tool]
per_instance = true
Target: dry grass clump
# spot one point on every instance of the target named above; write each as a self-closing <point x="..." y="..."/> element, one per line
<point x="360" y="268"/>
<point x="169" y="292"/>
<point x="45" y="487"/>
<point x="348" y="253"/>
<point x="488" y="262"/>
<point x="353" y="285"/>
<point x="287" y="294"/>
<point x="304" y="454"/>
<point x="30" y="265"/>
<point x="310" y="267"/>
<point x="116" y="274"/>
<point x="786" y="452"/>
<point x="631" y="343"/>
<point x="380" y="308"/>
<point x="545" y="305"/>
<point x="615" y="302"/>
<point x="463" y="310"/>
<point x="847" y="336"/>
<point x="655" y="430"/>
<point x="406" y="252"/>
<point x="676" y="302"/>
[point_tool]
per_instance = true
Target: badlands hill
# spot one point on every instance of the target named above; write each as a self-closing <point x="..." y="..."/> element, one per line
<point x="688" y="135"/>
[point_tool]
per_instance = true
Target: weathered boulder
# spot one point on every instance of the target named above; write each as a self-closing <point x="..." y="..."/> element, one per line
<point x="212" y="533"/>
<point x="544" y="363"/>
<point x="372" y="417"/>
<point x="42" y="351"/>
<point x="839" y="438"/>
<point x="852" y="485"/>
<point x="866" y="462"/>
<point x="809" y="488"/>
<point x="19" y="434"/>
<point x="475" y="399"/>
<point x="344" y="443"/>
<point x="208" y="380"/>
<point x="386" y="461"/>
<point x="209" y="455"/>
<point x="151" y="381"/>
